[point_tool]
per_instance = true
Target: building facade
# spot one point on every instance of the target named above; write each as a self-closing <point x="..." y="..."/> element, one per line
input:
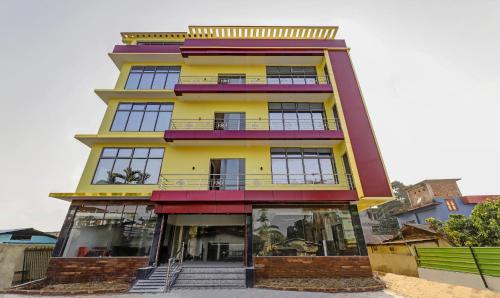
<point x="248" y="145"/>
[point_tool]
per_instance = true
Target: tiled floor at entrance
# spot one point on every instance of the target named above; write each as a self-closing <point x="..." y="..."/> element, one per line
<point x="211" y="264"/>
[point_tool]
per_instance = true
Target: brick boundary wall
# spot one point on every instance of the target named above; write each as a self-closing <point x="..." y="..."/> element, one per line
<point x="73" y="270"/>
<point x="312" y="267"/>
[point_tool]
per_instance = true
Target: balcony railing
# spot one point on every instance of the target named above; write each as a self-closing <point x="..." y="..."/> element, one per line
<point x="255" y="124"/>
<point x="295" y="79"/>
<point x="254" y="181"/>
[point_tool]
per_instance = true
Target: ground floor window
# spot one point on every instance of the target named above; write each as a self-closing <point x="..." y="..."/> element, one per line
<point x="303" y="232"/>
<point x="111" y="229"/>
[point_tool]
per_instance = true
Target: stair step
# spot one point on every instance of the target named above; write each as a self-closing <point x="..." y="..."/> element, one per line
<point x="220" y="276"/>
<point x="209" y="282"/>
<point x="214" y="270"/>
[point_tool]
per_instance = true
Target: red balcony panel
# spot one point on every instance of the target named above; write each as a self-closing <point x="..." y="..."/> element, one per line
<point x="261" y="43"/>
<point x="252" y="196"/>
<point x="172" y="135"/>
<point x="252" y="88"/>
<point x="229" y="195"/>
<point x="146" y="49"/>
<point x="189" y="208"/>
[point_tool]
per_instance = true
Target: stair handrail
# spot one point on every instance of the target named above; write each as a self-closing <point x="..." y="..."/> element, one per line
<point x="174" y="263"/>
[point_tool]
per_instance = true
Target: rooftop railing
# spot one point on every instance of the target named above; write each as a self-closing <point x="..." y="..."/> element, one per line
<point x="255" y="124"/>
<point x="294" y="79"/>
<point x="255" y="181"/>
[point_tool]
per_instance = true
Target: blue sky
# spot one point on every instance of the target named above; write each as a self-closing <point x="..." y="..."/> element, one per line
<point x="429" y="71"/>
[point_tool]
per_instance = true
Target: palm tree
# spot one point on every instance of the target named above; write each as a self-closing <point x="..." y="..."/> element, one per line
<point x="130" y="176"/>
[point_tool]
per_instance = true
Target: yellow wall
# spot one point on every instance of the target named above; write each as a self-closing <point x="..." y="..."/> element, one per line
<point x="181" y="159"/>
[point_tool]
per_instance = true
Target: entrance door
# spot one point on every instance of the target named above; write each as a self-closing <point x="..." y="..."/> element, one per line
<point x="227" y="174"/>
<point x="205" y="238"/>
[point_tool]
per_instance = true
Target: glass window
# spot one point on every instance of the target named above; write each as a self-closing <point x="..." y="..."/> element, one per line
<point x="303" y="165"/>
<point x="297" y="116"/>
<point x="291" y="75"/>
<point x="153" y="77"/>
<point x="303" y="232"/>
<point x="129" y="166"/>
<point x="142" y="117"/>
<point x="115" y="229"/>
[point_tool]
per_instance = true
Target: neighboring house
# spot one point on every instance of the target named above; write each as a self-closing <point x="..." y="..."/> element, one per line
<point x="381" y="219"/>
<point x="396" y="254"/>
<point x="24" y="255"/>
<point x="438" y="198"/>
<point x="26" y="236"/>
<point x="226" y="143"/>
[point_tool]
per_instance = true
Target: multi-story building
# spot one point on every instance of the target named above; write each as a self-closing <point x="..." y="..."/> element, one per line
<point x="243" y="145"/>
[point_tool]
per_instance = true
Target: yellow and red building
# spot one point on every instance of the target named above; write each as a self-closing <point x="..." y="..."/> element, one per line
<point x="239" y="144"/>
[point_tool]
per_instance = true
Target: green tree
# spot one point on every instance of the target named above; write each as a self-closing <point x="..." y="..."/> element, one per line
<point x="481" y="228"/>
<point x="399" y="190"/>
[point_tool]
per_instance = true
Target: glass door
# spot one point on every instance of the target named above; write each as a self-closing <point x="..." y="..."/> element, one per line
<point x="227" y="174"/>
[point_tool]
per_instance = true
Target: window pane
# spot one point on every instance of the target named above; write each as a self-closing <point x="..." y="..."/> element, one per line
<point x="163" y="121"/>
<point x="146" y="80"/>
<point x="125" y="152"/>
<point x="138" y="165"/>
<point x="275" y="121"/>
<point x="159" y="81"/>
<point x="133" y="81"/>
<point x="318" y="121"/>
<point x="113" y="236"/>
<point x="141" y="152"/>
<point x="152" y="107"/>
<point x="296" y="171"/>
<point x="279" y="171"/>
<point x="152" y="171"/>
<point x="167" y="107"/>
<point x="303" y="232"/>
<point x="172" y="79"/>
<point x="305" y="121"/>
<point x="120" y="121"/>
<point x="109" y="152"/>
<point x="311" y="168"/>
<point x="139" y="107"/>
<point x="101" y="174"/>
<point x="149" y="121"/>
<point x="120" y="165"/>
<point x="290" y="120"/>
<point x="134" y="121"/>
<point x="327" y="170"/>
<point x="156" y="153"/>
<point x="125" y="106"/>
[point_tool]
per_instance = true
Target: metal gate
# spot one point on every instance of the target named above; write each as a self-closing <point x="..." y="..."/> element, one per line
<point x="35" y="263"/>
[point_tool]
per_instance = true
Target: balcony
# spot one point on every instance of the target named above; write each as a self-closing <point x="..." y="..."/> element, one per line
<point x="205" y="193"/>
<point x="309" y="181"/>
<point x="276" y="132"/>
<point x="300" y="87"/>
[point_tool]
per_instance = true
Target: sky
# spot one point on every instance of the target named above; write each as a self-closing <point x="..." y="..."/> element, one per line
<point x="429" y="71"/>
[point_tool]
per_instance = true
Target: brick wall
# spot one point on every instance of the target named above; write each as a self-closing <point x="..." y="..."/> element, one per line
<point x="445" y="189"/>
<point x="312" y="267"/>
<point x="69" y="270"/>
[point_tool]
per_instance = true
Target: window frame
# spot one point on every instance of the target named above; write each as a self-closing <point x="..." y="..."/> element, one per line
<point x="144" y="113"/>
<point x="135" y="69"/>
<point x="297" y="110"/>
<point x="451" y="205"/>
<point x="116" y="157"/>
<point x="334" y="174"/>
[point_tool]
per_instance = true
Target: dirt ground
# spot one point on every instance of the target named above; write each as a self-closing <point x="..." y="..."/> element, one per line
<point x="413" y="287"/>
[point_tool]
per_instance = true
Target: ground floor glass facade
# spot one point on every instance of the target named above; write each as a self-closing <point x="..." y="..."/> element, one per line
<point x="303" y="232"/>
<point x="111" y="229"/>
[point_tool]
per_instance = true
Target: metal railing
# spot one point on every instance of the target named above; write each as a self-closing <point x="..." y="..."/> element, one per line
<point x="173" y="268"/>
<point x="293" y="79"/>
<point x="254" y="181"/>
<point x="255" y="124"/>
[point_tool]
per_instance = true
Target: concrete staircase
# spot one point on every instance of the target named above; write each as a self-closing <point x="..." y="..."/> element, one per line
<point x="216" y="277"/>
<point x="155" y="283"/>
